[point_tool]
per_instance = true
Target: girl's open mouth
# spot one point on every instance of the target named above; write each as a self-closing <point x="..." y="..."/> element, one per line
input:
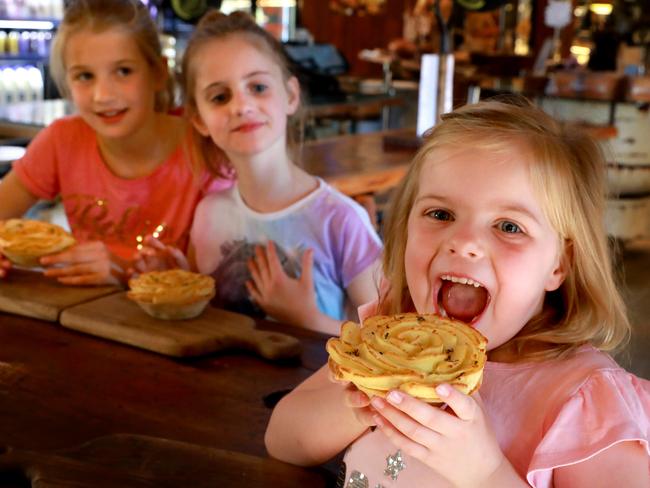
<point x="462" y="299"/>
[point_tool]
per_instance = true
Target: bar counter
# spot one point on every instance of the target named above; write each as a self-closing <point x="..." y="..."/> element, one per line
<point x="60" y="389"/>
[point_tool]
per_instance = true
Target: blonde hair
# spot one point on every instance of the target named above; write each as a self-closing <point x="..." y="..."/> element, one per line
<point x="217" y="25"/>
<point x="132" y="17"/>
<point x="567" y="169"/>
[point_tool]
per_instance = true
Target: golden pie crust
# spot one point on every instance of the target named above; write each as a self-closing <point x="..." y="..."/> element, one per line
<point x="174" y="294"/>
<point x="409" y="352"/>
<point x="25" y="241"/>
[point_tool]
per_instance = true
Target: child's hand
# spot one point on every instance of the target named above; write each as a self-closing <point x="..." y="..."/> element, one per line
<point x="284" y="298"/>
<point x="86" y="263"/>
<point x="358" y="401"/>
<point x="360" y="404"/>
<point x="461" y="447"/>
<point x="156" y="256"/>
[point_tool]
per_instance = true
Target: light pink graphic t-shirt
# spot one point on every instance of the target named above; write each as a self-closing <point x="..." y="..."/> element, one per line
<point x="64" y="160"/>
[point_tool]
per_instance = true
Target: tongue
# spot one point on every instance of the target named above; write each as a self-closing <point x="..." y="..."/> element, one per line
<point x="462" y="302"/>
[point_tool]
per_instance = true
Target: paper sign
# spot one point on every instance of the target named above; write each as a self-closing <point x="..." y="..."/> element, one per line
<point x="435" y="95"/>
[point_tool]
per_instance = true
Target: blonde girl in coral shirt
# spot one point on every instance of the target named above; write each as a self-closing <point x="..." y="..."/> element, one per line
<point x="120" y="164"/>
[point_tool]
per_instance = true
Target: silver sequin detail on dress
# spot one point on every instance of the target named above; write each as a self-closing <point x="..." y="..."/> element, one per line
<point x="394" y="464"/>
<point x="357" y="480"/>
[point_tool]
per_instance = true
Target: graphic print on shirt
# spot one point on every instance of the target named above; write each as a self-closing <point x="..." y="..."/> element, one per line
<point x="232" y="274"/>
<point x="91" y="219"/>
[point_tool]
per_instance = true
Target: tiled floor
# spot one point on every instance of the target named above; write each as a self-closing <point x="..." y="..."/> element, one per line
<point x="636" y="270"/>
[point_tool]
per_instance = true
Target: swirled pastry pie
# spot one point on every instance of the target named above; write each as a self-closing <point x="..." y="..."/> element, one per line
<point x="410" y="352"/>
<point x="172" y="295"/>
<point x="24" y="241"/>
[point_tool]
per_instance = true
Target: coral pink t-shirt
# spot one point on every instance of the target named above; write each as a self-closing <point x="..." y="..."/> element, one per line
<point x="545" y="415"/>
<point x="64" y="160"/>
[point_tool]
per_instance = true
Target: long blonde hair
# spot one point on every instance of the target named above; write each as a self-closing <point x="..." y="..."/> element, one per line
<point x="217" y="25"/>
<point x="132" y="17"/>
<point x="567" y="169"/>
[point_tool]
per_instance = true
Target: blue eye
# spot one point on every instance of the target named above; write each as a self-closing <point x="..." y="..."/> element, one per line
<point x="509" y="227"/>
<point x="439" y="214"/>
<point x="258" y="88"/>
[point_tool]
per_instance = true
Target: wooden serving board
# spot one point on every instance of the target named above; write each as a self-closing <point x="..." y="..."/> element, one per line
<point x="134" y="461"/>
<point x="118" y="318"/>
<point x="31" y="294"/>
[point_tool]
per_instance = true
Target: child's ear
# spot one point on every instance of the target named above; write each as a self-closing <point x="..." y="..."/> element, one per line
<point x="559" y="274"/>
<point x="293" y="92"/>
<point x="198" y="124"/>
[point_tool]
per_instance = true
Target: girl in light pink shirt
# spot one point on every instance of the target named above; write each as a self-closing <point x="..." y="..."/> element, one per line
<point x="505" y="234"/>
<point x="120" y="165"/>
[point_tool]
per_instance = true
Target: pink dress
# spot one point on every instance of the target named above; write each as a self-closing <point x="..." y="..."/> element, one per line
<point x="545" y="415"/>
<point x="64" y="160"/>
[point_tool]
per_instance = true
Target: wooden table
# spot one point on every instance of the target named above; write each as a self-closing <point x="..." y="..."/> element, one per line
<point x="353" y="108"/>
<point x="59" y="389"/>
<point x="360" y="163"/>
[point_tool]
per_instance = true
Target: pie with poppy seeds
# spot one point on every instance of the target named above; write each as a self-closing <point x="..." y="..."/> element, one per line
<point x="409" y="352"/>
